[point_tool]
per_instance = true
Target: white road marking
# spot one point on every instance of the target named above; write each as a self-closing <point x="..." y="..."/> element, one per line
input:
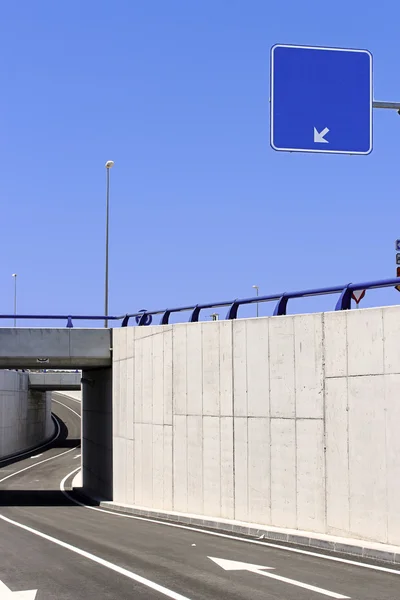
<point x="7" y="594"/>
<point x="67" y="407"/>
<point x="226" y="535"/>
<point x="235" y="565"/>
<point x="37" y="464"/>
<point x="100" y="561"/>
<point x="77" y="456"/>
<point x="36" y="456"/>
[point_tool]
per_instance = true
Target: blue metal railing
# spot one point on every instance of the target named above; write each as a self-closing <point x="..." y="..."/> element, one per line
<point x="344" y="302"/>
<point x="145" y="317"/>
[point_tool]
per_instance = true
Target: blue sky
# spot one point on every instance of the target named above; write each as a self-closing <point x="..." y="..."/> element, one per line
<point x="177" y="93"/>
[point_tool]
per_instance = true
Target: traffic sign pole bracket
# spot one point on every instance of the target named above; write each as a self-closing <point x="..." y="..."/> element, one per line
<point x="390" y="105"/>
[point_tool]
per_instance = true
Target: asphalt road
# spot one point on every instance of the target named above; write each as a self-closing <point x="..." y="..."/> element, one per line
<point x="51" y="547"/>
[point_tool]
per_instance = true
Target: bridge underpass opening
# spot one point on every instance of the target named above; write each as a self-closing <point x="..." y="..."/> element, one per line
<point x="89" y="351"/>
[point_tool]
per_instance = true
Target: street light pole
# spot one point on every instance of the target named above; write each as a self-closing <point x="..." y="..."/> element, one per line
<point x="109" y="165"/>
<point x="15" y="298"/>
<point x="256" y="288"/>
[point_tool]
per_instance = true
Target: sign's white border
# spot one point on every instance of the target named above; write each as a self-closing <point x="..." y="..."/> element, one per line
<point x="272" y="100"/>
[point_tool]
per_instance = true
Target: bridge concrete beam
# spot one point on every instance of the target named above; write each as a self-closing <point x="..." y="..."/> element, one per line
<point x="51" y="348"/>
<point x="54" y="381"/>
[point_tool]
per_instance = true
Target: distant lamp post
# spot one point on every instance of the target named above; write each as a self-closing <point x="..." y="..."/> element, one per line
<point x="256" y="287"/>
<point x="109" y="165"/>
<point x="15" y="298"/>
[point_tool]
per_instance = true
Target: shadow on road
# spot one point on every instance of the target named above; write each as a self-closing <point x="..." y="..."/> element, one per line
<point x="40" y="498"/>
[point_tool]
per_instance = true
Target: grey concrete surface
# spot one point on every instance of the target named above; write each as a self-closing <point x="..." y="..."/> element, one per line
<point x="175" y="558"/>
<point x="25" y="415"/>
<point x="54" y="348"/>
<point x="54" y="381"/>
<point x="285" y="422"/>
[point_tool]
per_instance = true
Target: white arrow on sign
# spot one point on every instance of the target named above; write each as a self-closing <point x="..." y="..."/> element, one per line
<point x="7" y="594"/>
<point x="234" y="565"/>
<point x="319" y="137"/>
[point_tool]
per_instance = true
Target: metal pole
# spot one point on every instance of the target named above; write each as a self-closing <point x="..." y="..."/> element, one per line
<point x="15" y="298"/>
<point x="256" y="288"/>
<point x="392" y="105"/>
<point x="257" y="302"/>
<point x="106" y="269"/>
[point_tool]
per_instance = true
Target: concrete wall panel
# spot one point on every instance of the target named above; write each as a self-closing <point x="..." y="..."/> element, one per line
<point x="282" y="374"/>
<point x="226" y="368"/>
<point x="309" y="375"/>
<point x="239" y="343"/>
<point x="365" y="342"/>
<point x="283" y="473"/>
<point x="194" y="371"/>
<point x="25" y="415"/>
<point x="367" y="459"/>
<point x="241" y="481"/>
<point x="180" y="464"/>
<point x="227" y="472"/>
<point x="337" y="456"/>
<point x="195" y="463"/>
<point x="286" y="421"/>
<point x="391" y="330"/>
<point x="392" y="424"/>
<point x="335" y="344"/>
<point x="210" y="347"/>
<point x="257" y="356"/>
<point x="310" y="475"/>
<point x="212" y="465"/>
<point x="259" y="471"/>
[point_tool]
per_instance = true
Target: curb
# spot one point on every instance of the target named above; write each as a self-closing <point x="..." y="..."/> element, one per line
<point x="362" y="550"/>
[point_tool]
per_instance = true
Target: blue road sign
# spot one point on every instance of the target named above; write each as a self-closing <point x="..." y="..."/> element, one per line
<point x="321" y="99"/>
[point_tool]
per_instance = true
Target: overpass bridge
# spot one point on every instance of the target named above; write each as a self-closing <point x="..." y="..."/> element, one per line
<point x="284" y="421"/>
<point x="54" y="381"/>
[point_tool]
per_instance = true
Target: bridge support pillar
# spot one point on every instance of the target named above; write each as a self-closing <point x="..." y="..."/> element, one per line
<point x="97" y="476"/>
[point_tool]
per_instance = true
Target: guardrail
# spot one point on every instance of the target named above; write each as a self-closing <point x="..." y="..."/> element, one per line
<point x="145" y="317"/>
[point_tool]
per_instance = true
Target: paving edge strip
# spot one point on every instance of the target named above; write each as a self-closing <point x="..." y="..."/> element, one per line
<point x="361" y="550"/>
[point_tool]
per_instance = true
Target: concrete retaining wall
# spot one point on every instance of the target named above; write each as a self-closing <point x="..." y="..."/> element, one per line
<point x="25" y="416"/>
<point x="285" y="421"/>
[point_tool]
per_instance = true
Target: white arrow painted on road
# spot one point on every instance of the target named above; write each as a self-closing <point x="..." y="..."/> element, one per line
<point x="319" y="137"/>
<point x="234" y="565"/>
<point x="7" y="594"/>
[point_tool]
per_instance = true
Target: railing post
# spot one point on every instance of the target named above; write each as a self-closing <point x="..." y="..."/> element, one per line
<point x="233" y="310"/>
<point x="125" y="321"/>
<point x="165" y="318"/>
<point x="344" y="302"/>
<point x="194" y="317"/>
<point x="281" y="306"/>
<point x="69" y="322"/>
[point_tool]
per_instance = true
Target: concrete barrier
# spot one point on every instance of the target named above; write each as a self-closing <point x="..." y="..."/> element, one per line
<point x="291" y="422"/>
<point x="25" y="415"/>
